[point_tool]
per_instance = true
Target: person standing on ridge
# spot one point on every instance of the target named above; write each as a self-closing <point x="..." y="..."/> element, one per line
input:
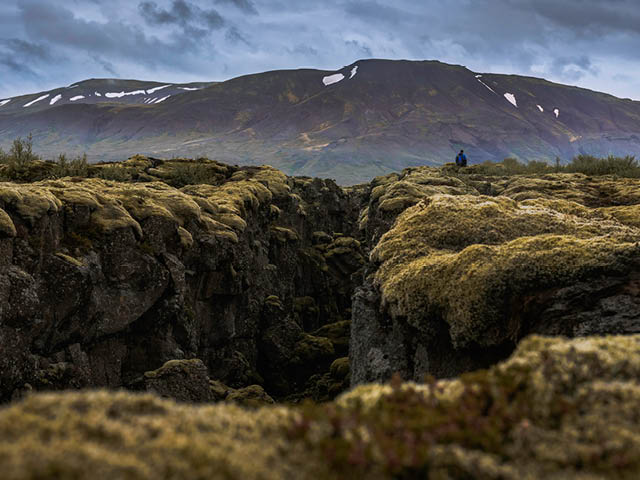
<point x="461" y="159"/>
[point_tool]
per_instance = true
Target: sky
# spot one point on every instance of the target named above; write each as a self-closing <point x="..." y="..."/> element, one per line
<point x="46" y="44"/>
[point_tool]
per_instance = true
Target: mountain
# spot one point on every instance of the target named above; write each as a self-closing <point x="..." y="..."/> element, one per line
<point x="369" y="118"/>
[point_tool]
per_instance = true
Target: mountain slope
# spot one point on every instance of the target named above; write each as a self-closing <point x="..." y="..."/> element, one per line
<point x="369" y="118"/>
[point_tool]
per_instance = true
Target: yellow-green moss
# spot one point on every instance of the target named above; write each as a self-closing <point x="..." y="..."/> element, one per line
<point x="173" y="366"/>
<point x="231" y="220"/>
<point x="413" y="185"/>
<point x="232" y="197"/>
<point x="7" y="228"/>
<point x="557" y="409"/>
<point x="70" y="259"/>
<point x="29" y="200"/>
<point x="186" y="239"/>
<point x="274" y="301"/>
<point x="119" y="435"/>
<point x="284" y="235"/>
<point x="274" y="180"/>
<point x="252" y="396"/>
<point x="463" y="258"/>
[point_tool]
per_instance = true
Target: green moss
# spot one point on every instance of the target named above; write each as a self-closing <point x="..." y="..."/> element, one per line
<point x="186" y="239"/>
<point x="70" y="259"/>
<point x="495" y="250"/>
<point x="284" y="235"/>
<point x="557" y="409"/>
<point x="273" y="300"/>
<point x="310" y="349"/>
<point x="7" y="228"/>
<point x="147" y="248"/>
<point x="119" y="435"/>
<point x="340" y="368"/>
<point x="78" y="240"/>
<point x="174" y="366"/>
<point x="252" y="396"/>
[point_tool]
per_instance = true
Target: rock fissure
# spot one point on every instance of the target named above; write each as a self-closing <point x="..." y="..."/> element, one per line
<point x="278" y="283"/>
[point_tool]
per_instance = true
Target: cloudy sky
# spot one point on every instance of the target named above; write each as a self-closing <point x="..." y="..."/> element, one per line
<point x="50" y="43"/>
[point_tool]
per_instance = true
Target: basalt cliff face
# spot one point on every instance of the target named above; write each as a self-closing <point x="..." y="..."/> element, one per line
<point x="103" y="281"/>
<point x="207" y="283"/>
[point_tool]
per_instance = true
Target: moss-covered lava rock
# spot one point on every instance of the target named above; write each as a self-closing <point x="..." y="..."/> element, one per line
<point x="556" y="409"/>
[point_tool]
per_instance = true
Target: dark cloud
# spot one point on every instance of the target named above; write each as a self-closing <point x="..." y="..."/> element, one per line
<point x="181" y="13"/>
<point x="27" y="50"/>
<point x="592" y="43"/>
<point x="106" y="65"/>
<point x="12" y="65"/>
<point x="234" y="36"/>
<point x="246" y="6"/>
<point x="589" y="16"/>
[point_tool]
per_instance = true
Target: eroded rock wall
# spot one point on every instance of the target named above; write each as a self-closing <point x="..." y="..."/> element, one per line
<point x="102" y="280"/>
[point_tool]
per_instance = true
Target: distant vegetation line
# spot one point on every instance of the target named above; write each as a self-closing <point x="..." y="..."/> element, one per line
<point x="22" y="164"/>
<point x="587" y="164"/>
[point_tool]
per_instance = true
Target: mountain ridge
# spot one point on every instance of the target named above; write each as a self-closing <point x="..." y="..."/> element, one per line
<point x="371" y="117"/>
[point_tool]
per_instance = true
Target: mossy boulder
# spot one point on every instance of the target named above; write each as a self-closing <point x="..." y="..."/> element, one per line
<point x="252" y="396"/>
<point x="468" y="259"/>
<point x="457" y="280"/>
<point x="182" y="380"/>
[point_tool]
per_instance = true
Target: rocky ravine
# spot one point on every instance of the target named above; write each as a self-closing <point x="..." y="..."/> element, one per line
<point x="247" y="288"/>
<point x="241" y="288"/>
<point x="103" y="281"/>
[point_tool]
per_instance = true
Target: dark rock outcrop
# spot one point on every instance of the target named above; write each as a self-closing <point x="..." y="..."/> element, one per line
<point x="182" y="380"/>
<point x="102" y="280"/>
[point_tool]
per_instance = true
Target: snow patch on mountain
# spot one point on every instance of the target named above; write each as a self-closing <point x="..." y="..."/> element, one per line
<point x="72" y="86"/>
<point x="97" y="94"/>
<point x="55" y="99"/>
<point x="331" y="79"/>
<point x="163" y="99"/>
<point x="511" y="98"/>
<point x="151" y="90"/>
<point x="123" y="94"/>
<point x="76" y="98"/>
<point x="4" y="102"/>
<point x="540" y="108"/>
<point x="36" y="100"/>
<point x="354" y="70"/>
<point x="557" y="112"/>
<point x="188" y="89"/>
<point x="478" y="77"/>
